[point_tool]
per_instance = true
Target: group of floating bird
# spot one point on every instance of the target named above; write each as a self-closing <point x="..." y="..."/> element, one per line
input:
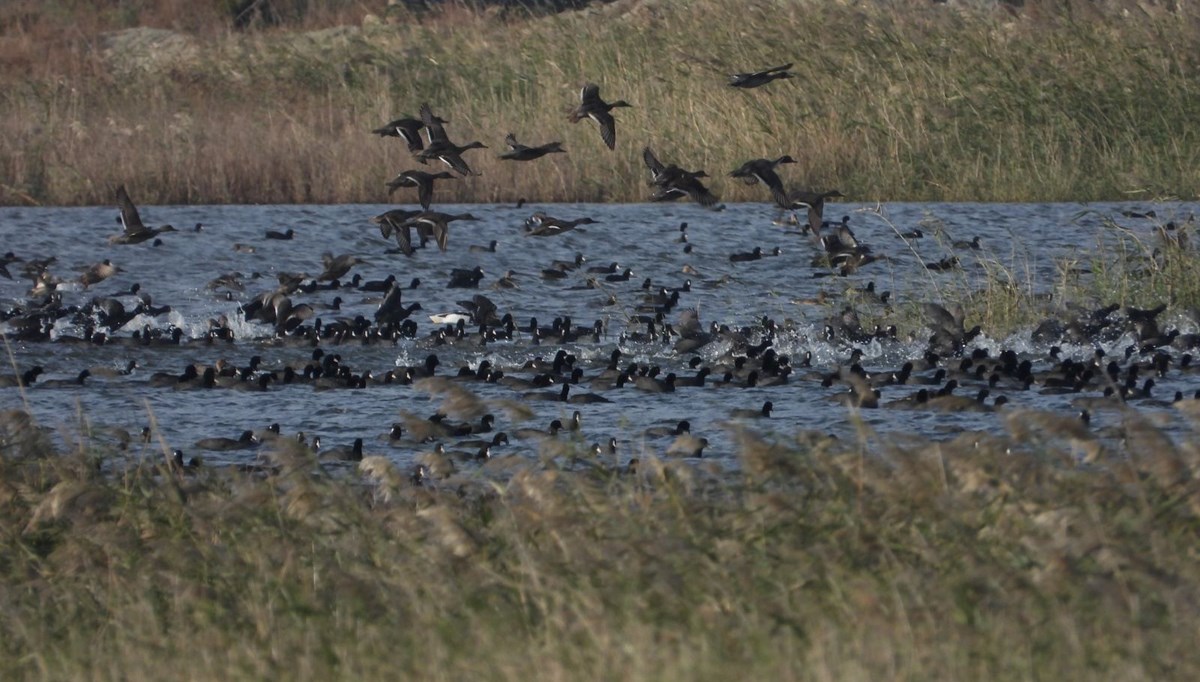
<point x="745" y="356"/>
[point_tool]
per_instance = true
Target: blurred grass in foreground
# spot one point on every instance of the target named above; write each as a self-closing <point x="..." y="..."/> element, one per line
<point x="1041" y="553"/>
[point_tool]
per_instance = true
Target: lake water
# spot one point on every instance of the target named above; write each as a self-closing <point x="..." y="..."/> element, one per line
<point x="1029" y="240"/>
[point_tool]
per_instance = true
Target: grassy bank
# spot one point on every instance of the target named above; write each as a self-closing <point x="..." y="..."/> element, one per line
<point x="904" y="101"/>
<point x="984" y="558"/>
<point x="1007" y="286"/>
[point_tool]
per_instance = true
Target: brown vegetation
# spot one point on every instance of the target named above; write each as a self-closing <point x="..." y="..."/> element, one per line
<point x="922" y="102"/>
<point x="1042" y="552"/>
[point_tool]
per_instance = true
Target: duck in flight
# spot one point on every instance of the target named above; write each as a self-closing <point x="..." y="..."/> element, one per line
<point x="520" y="152"/>
<point x="591" y="106"/>
<point x="337" y="266"/>
<point x="814" y="202"/>
<point x="407" y="128"/>
<point x="136" y="231"/>
<point x="674" y="182"/>
<point x="391" y="221"/>
<point x="421" y="180"/>
<point x="429" y="223"/>
<point x="441" y="148"/>
<point x="541" y="225"/>
<point x="763" y="170"/>
<point x="755" y="79"/>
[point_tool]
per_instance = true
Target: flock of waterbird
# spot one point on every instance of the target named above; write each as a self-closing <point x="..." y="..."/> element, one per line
<point x="465" y="426"/>
<point x="670" y="181"/>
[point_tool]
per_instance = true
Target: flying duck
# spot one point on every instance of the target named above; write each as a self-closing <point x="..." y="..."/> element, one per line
<point x="754" y="79"/>
<point x="520" y="152"/>
<point x="136" y="231"/>
<point x="591" y="106"/>
<point x="421" y="180"/>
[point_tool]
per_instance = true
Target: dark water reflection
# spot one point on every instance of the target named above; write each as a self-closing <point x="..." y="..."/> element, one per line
<point x="1028" y="240"/>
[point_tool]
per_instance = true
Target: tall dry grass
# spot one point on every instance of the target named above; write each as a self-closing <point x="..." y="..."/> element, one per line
<point x="1038" y="553"/>
<point x="893" y="102"/>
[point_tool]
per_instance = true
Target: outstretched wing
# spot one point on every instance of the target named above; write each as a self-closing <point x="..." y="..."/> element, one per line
<point x="425" y="193"/>
<point x="441" y="233"/>
<point x="771" y="179"/>
<point x="386" y="227"/>
<point x="608" y="127"/>
<point x="456" y="163"/>
<point x="406" y="128"/>
<point x="701" y="195"/>
<point x="404" y="238"/>
<point x="129" y="213"/>
<point x="426" y="224"/>
<point x="652" y="162"/>
<point x="433" y="126"/>
<point x="390" y="305"/>
<point x="412" y="136"/>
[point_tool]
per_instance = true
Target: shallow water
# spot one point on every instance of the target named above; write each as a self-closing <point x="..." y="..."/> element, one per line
<point x="1028" y="240"/>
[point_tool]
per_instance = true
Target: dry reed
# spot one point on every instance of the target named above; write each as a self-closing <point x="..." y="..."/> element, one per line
<point x="989" y="556"/>
<point x="892" y="102"/>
